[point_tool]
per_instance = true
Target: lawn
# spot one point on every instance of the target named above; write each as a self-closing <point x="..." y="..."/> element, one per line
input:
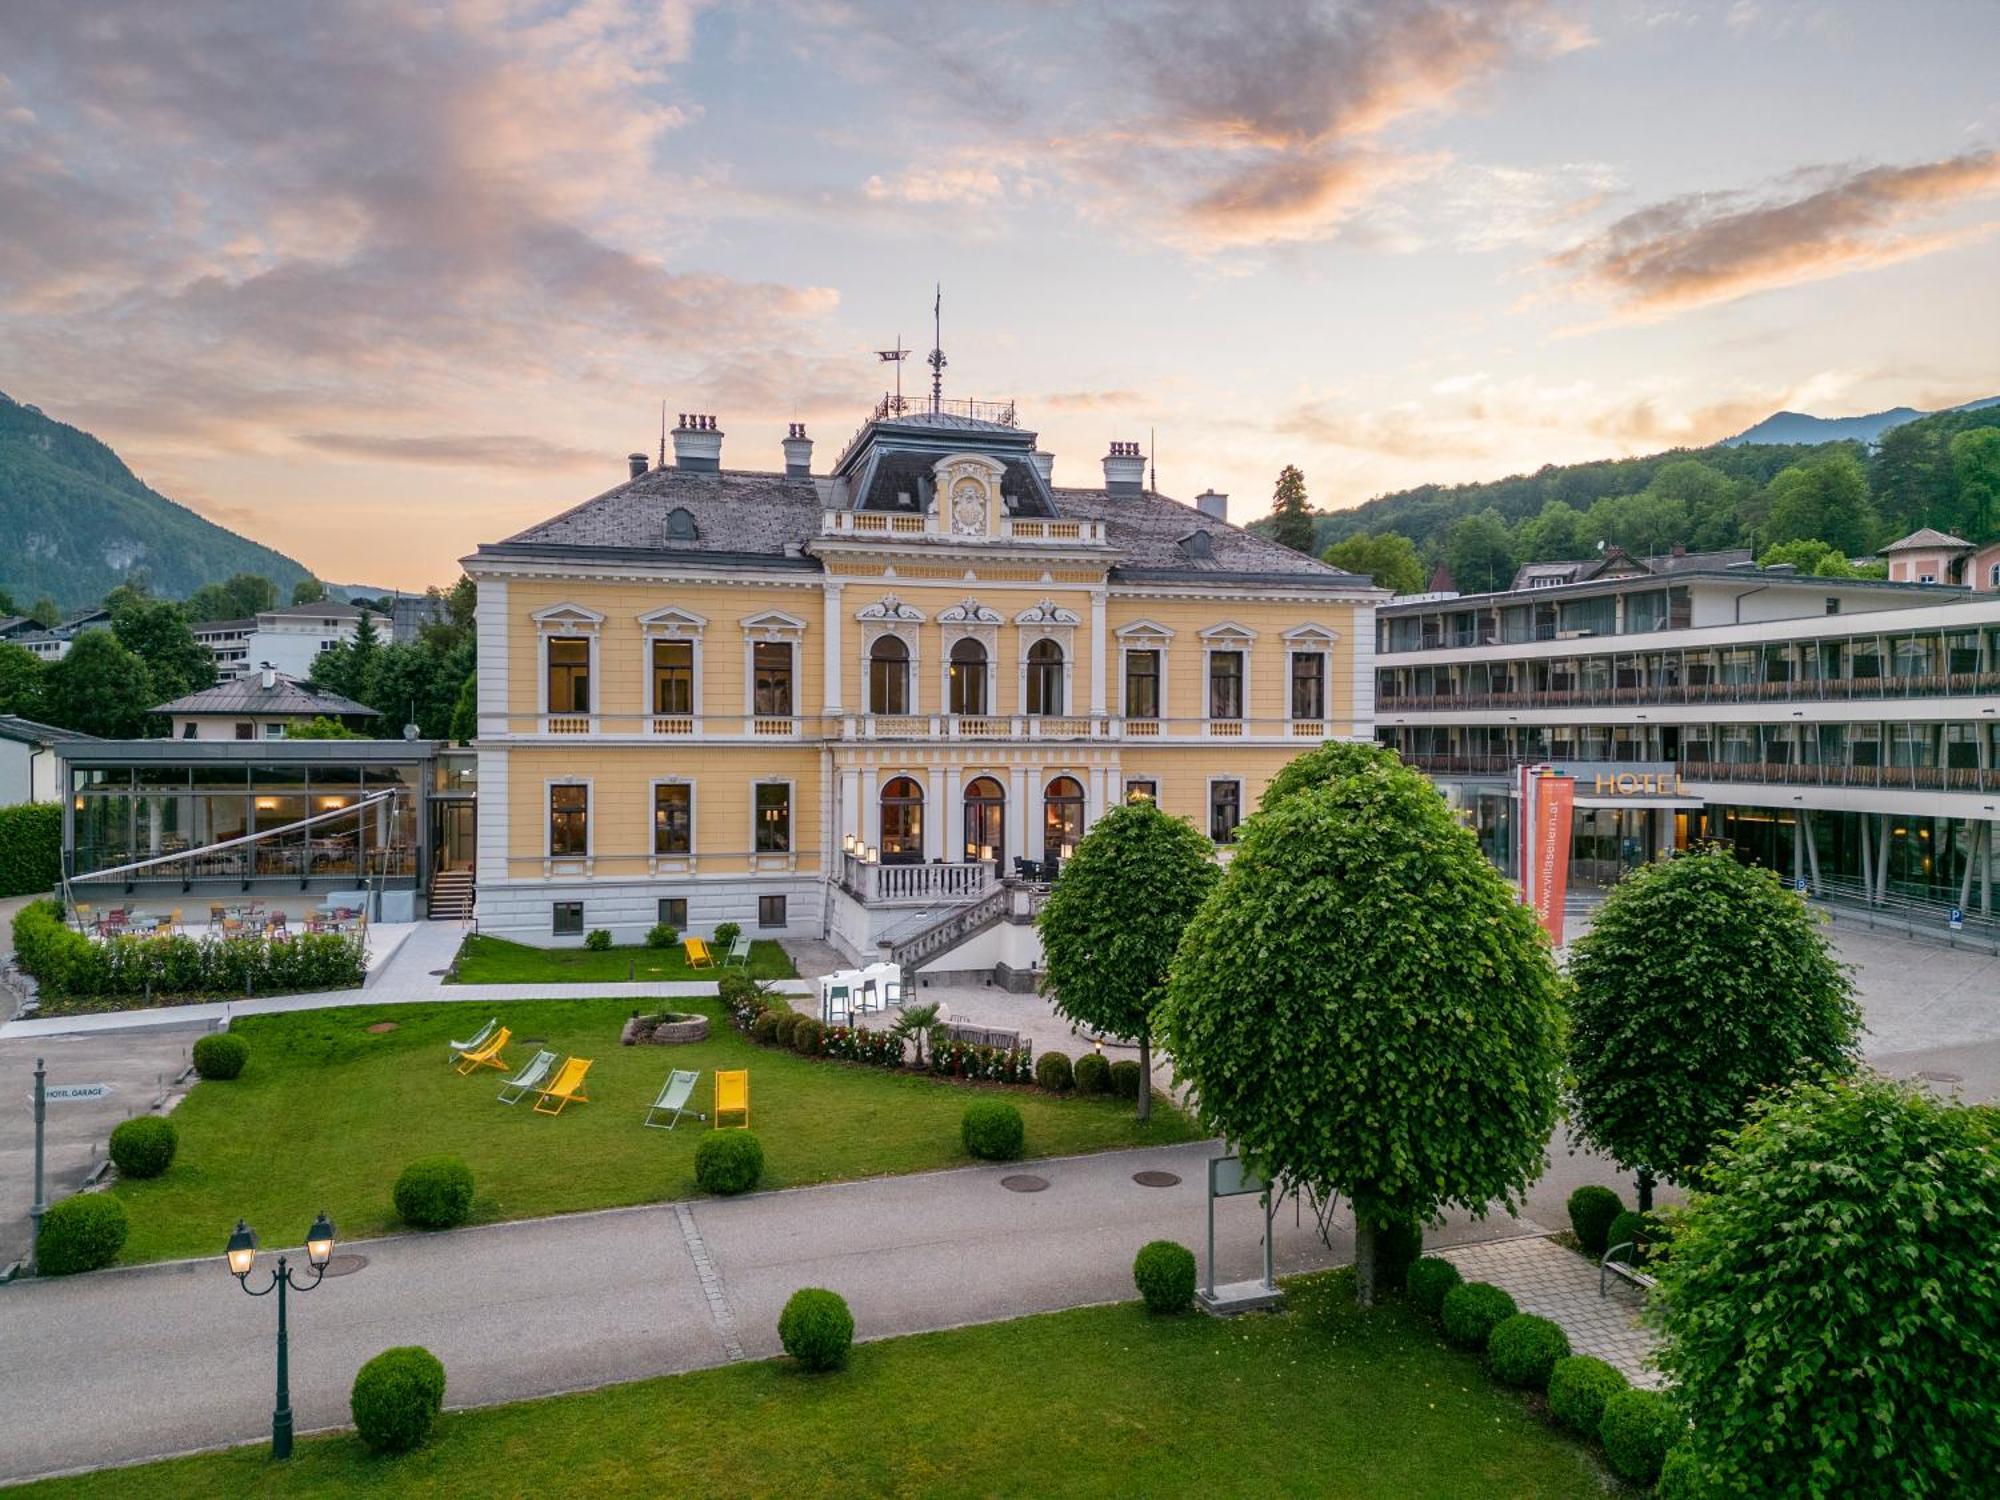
<point x="491" y="960"/>
<point x="1321" y="1400"/>
<point x="347" y="1108"/>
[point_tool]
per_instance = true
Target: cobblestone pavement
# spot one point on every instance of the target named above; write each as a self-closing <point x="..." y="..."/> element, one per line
<point x="1552" y="1282"/>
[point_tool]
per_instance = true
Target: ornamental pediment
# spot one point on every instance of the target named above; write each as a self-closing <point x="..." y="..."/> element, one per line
<point x="890" y="610"/>
<point x="1047" y="612"/>
<point x="969" y="611"/>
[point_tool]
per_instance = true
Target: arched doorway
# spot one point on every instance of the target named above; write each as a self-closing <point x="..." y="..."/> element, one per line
<point x="1062" y="817"/>
<point x="986" y="821"/>
<point x="902" y="822"/>
<point x="1045" y="678"/>
<point x="968" y="677"/>
<point x="888" y="677"/>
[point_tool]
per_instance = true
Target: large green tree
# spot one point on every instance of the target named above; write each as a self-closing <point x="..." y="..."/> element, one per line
<point x="1645" y="524"/>
<point x="1556" y="534"/>
<point x="20" y="681"/>
<point x="1707" y="496"/>
<point x="1114" y="918"/>
<point x="308" y="591"/>
<point x="1818" y="559"/>
<point x="1291" y="517"/>
<point x="99" y="688"/>
<point x="1479" y="551"/>
<point x="1975" y="470"/>
<point x="243" y="595"/>
<point x="1831" y="1305"/>
<point x="1364" y="1008"/>
<point x="1701" y="983"/>
<point x="1827" y="500"/>
<point x="157" y="631"/>
<point x="1390" y="560"/>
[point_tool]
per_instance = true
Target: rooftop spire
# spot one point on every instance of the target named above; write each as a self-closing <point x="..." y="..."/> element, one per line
<point x="937" y="360"/>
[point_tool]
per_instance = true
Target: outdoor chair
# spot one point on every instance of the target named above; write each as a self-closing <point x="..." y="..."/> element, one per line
<point x="232" y="927"/>
<point x="674" y="1095"/>
<point x="476" y="1040"/>
<point x="487" y="1054"/>
<point x="528" y="1080"/>
<point x="217" y="916"/>
<point x="698" y="956"/>
<point x="173" y="922"/>
<point x="275" y="924"/>
<point x="739" y="951"/>
<point x="568" y="1086"/>
<point x="732" y="1095"/>
<point x="839" y="1001"/>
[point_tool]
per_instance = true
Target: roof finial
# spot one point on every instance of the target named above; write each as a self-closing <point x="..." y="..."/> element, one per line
<point x="663" y="434"/>
<point x="937" y="360"/>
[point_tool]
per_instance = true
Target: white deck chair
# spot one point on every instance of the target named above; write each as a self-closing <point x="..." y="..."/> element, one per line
<point x="739" y="951"/>
<point x="477" y="1040"/>
<point x="528" y="1079"/>
<point x="674" y="1095"/>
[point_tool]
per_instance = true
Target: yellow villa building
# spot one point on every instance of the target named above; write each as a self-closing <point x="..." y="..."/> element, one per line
<point x="871" y="705"/>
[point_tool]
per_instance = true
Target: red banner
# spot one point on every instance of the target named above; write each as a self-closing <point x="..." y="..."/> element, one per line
<point x="1555" y="801"/>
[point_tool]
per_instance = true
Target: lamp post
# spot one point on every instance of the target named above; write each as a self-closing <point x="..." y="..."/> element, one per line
<point x="242" y="1255"/>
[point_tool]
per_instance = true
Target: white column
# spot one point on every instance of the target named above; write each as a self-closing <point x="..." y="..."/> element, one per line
<point x="1019" y="815"/>
<point x="1093" y="797"/>
<point x="935" y="801"/>
<point x="950" y="818"/>
<point x="871" y="808"/>
<point x="831" y="651"/>
<point x="850" y="802"/>
<point x="1098" y="600"/>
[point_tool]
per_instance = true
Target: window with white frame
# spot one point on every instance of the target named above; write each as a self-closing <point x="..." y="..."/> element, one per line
<point x="569" y="820"/>
<point x="1225" y="810"/>
<point x="1045" y="669"/>
<point x="966" y="678"/>
<point x="771" y="663"/>
<point x="569" y="674"/>
<point x="673" y="817"/>
<point x="773" y="814"/>
<point x="1308" y="684"/>
<point x="888" y="676"/>
<point x="1225" y="683"/>
<point x="673" y="676"/>
<point x="1142" y="683"/>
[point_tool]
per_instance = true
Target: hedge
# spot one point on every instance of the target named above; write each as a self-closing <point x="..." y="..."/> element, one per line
<point x="728" y="1162"/>
<point x="1578" y="1388"/>
<point x="1638" y="1428"/>
<point x="1472" y="1310"/>
<point x="396" y="1398"/>
<point x="69" y="966"/>
<point x="1523" y="1350"/>
<point x="143" y="1146"/>
<point x="434" y="1192"/>
<point x="1429" y="1280"/>
<point x="30" y="848"/>
<point x="80" y="1234"/>
<point x="992" y="1130"/>
<point x="220" y="1055"/>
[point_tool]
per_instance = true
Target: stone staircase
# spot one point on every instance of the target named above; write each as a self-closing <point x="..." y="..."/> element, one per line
<point x="932" y="934"/>
<point x="451" y="896"/>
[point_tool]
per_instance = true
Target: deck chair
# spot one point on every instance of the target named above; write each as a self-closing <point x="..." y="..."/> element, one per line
<point x="476" y="1040"/>
<point x="528" y="1080"/>
<point x="568" y="1085"/>
<point x="732" y="1095"/>
<point x="487" y="1053"/>
<point x="674" y="1095"/>
<point x="698" y="956"/>
<point x="739" y="951"/>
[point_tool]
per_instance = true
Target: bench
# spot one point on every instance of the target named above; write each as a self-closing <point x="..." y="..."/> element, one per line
<point x="983" y="1036"/>
<point x="1624" y="1270"/>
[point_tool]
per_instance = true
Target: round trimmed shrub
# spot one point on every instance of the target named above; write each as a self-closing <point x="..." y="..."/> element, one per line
<point x="220" y="1055"/>
<point x="1579" y="1385"/>
<point x="765" y="1027"/>
<point x="1593" y="1209"/>
<point x="434" y="1192"/>
<point x="1637" y="1429"/>
<point x="1428" y="1281"/>
<point x="80" y="1234"/>
<point x="816" y="1328"/>
<point x="726" y="934"/>
<point x="660" y="935"/>
<point x="597" y="940"/>
<point x="1397" y="1247"/>
<point x="143" y="1146"/>
<point x="1054" y="1073"/>
<point x="1472" y="1310"/>
<point x="992" y="1130"/>
<point x="1641" y="1230"/>
<point x="788" y="1026"/>
<point x="1679" y="1479"/>
<point x="396" y="1398"/>
<point x="807" y="1036"/>
<point x="728" y="1161"/>
<point x="1125" y="1076"/>
<point x="1164" y="1273"/>
<point x="1523" y="1349"/>
<point x="1093" y="1074"/>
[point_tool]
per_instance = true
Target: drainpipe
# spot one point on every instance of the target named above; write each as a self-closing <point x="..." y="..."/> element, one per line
<point x="1745" y="595"/>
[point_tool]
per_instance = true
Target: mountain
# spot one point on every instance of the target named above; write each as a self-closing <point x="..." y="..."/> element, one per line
<point x="74" y="521"/>
<point x="1799" y="427"/>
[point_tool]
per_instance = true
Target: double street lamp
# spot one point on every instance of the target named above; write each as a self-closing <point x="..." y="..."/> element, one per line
<point x="242" y="1254"/>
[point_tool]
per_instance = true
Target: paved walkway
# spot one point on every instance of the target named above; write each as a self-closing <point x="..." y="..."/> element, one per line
<point x="125" y="1365"/>
<point x="1555" y="1283"/>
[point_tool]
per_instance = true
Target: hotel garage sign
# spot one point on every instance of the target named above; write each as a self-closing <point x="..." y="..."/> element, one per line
<point x="1627" y="783"/>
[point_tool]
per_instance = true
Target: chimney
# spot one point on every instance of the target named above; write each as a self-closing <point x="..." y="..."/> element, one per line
<point x="697" y="443"/>
<point x="638" y="463"/>
<point x="1124" y="470"/>
<point x="798" y="452"/>
<point x="1210" y="504"/>
<point x="269" y="677"/>
<point x="1045" y="465"/>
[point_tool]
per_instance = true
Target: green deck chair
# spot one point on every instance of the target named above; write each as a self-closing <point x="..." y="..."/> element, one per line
<point x="674" y="1095"/>
<point x="528" y="1079"/>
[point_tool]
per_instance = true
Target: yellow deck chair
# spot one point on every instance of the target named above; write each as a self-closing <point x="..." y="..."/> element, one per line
<point x="567" y="1085"/>
<point x="732" y="1095"/>
<point x="487" y="1054"/>
<point x="698" y="956"/>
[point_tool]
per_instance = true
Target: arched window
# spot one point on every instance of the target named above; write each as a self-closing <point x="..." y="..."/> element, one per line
<point x="888" y="676"/>
<point x="986" y="821"/>
<point x="902" y="821"/>
<point x="1045" y="677"/>
<point x="968" y="677"/>
<point x="1062" y="818"/>
<point x="1993" y="576"/>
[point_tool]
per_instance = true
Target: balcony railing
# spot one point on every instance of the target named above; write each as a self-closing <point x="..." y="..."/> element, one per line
<point x="1671" y="695"/>
<point x="859" y="726"/>
<point x="915" y="884"/>
<point x="656" y="726"/>
<point x="1757" y="773"/>
<point x="1042" y="531"/>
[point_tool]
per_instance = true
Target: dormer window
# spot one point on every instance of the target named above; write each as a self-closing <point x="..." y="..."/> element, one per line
<point x="1197" y="545"/>
<point x="680" y="525"/>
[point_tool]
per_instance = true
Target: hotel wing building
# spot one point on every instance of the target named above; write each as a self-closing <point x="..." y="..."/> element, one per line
<point x="1843" y="732"/>
<point x="855" y="703"/>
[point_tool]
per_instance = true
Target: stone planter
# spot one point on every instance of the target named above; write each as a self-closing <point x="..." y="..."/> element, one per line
<point x="664" y="1031"/>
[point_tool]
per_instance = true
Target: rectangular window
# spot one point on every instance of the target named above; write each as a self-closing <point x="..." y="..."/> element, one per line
<point x="568" y="919"/>
<point x="1225" y="684"/>
<point x="246" y="731"/>
<point x="187" y="730"/>
<point x="673" y="818"/>
<point x="774" y="818"/>
<point x="772" y="665"/>
<point x="569" y="820"/>
<point x="673" y="677"/>
<point x="1225" y="810"/>
<point x="674" y="912"/>
<point x="770" y="911"/>
<point x="1308" y="685"/>
<point x="274" y="731"/>
<point x="1832" y="605"/>
<point x="569" y="675"/>
<point x="1141" y="790"/>
<point x="1142" y="684"/>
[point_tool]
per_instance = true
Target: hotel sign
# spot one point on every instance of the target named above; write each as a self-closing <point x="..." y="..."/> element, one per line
<point x="1637" y="784"/>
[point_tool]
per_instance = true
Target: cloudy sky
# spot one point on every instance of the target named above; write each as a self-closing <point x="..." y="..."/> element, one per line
<point x="374" y="282"/>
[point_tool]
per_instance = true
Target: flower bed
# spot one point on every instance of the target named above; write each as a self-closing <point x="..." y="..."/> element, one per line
<point x="942" y="1057"/>
<point x="665" y="1029"/>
